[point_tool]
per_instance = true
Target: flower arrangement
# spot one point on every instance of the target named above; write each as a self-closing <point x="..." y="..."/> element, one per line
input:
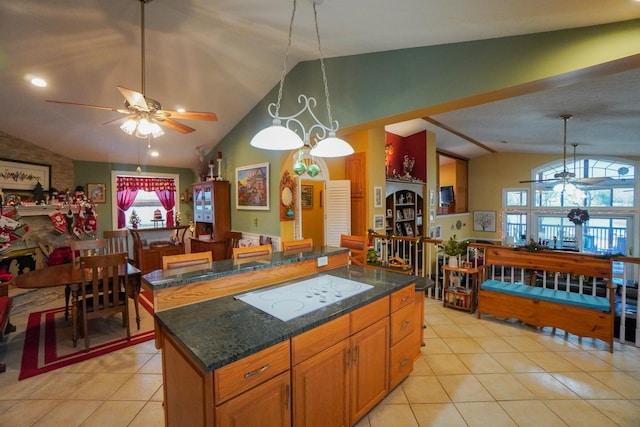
<point x="578" y="216"/>
<point x="178" y="218"/>
<point x="452" y="247"/>
<point x="134" y="219"/>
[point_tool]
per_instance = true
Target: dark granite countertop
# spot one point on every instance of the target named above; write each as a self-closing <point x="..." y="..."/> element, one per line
<point x="219" y="331"/>
<point x="161" y="279"/>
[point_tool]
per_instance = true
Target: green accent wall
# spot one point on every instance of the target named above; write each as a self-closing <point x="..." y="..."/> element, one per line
<point x="100" y="173"/>
<point x="370" y="90"/>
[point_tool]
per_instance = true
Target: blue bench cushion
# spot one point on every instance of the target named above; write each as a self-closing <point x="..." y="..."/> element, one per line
<point x="551" y="295"/>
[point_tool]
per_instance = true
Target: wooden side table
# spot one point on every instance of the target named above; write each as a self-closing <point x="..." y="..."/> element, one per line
<point x="459" y="297"/>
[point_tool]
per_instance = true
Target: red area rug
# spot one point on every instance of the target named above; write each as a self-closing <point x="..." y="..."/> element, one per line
<point x="48" y="343"/>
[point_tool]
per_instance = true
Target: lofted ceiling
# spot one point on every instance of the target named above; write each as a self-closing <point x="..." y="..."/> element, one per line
<point x="224" y="56"/>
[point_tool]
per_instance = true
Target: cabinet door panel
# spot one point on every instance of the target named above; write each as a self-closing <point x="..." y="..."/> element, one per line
<point x="266" y="405"/>
<point x="369" y="368"/>
<point x="321" y="388"/>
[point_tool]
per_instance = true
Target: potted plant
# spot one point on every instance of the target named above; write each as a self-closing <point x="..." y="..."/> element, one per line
<point x="453" y="249"/>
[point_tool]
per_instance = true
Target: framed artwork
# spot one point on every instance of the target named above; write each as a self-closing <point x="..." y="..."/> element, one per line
<point x="378" y="222"/>
<point x="432" y="232"/>
<point x="484" y="220"/>
<point x="438" y="231"/>
<point x="408" y="229"/>
<point x="432" y="198"/>
<point x="97" y="193"/>
<point x="252" y="192"/>
<point x="432" y="215"/>
<point x="16" y="175"/>
<point x="306" y="196"/>
<point x="377" y="197"/>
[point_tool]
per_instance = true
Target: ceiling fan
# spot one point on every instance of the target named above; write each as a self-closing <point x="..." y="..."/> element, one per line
<point x="565" y="176"/>
<point x="143" y="115"/>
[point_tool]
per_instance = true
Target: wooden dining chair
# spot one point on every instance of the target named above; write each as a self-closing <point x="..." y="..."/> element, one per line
<point x="231" y="241"/>
<point x="252" y="251"/>
<point x="357" y="248"/>
<point x="117" y="241"/>
<point x="103" y="292"/>
<point x="203" y="259"/>
<point x="80" y="248"/>
<point x="297" y="245"/>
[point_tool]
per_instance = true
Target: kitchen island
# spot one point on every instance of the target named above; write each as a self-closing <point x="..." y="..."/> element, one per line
<point x="176" y="287"/>
<point x="226" y="362"/>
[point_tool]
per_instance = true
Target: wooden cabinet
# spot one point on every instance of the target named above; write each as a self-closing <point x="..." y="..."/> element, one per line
<point x="255" y="390"/>
<point x="211" y="208"/>
<point x="405" y="207"/>
<point x="319" y="383"/>
<point x="331" y="375"/>
<point x="266" y="405"/>
<point x="151" y="244"/>
<point x="343" y="365"/>
<point x="403" y="341"/>
<point x="369" y="373"/>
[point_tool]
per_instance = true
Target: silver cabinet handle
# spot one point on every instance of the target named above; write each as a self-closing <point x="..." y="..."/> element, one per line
<point x="404" y="362"/>
<point x="405" y="324"/>
<point x="257" y="371"/>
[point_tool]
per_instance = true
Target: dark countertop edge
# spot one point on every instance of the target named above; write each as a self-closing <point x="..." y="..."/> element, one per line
<point x="157" y="280"/>
<point x="288" y="329"/>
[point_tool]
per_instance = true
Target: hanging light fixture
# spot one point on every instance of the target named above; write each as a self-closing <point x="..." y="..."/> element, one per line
<point x="141" y="125"/>
<point x="569" y="192"/>
<point x="279" y="135"/>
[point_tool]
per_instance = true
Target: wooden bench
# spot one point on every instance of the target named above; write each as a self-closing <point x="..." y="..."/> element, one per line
<point x="547" y="288"/>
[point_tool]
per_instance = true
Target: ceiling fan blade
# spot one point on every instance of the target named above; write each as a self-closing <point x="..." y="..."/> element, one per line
<point x="590" y="181"/>
<point x="189" y="115"/>
<point x="177" y="126"/>
<point x="134" y="98"/>
<point x="119" y="121"/>
<point x="539" y="180"/>
<point x="97" y="107"/>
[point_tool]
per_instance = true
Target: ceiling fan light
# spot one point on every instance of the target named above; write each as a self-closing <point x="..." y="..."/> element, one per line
<point x="276" y="137"/>
<point x="332" y="147"/>
<point x="156" y="130"/>
<point x="129" y="126"/>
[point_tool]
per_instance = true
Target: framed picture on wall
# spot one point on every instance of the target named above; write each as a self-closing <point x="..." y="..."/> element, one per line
<point x="97" y="193"/>
<point x="484" y="220"/>
<point x="378" y="222"/>
<point x="17" y="175"/>
<point x="252" y="190"/>
<point x="306" y="196"/>
<point x="377" y="197"/>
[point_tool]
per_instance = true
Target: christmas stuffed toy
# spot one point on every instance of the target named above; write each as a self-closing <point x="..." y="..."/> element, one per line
<point x="90" y="223"/>
<point x="11" y="223"/>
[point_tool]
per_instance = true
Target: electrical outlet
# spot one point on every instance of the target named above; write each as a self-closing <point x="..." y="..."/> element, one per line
<point x="322" y="261"/>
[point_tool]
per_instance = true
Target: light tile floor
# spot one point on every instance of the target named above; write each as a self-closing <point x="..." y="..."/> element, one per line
<point x="472" y="373"/>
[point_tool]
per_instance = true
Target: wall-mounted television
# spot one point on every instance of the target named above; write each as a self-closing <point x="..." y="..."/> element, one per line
<point x="447" y="195"/>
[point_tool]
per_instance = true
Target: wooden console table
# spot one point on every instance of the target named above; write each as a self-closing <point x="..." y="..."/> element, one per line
<point x="149" y="256"/>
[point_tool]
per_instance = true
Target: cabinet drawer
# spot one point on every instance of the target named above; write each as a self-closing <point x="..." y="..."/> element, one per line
<point x="208" y="217"/>
<point x="233" y="379"/>
<point x="401" y="361"/>
<point x="369" y="314"/>
<point x="402" y="323"/>
<point x="198" y="216"/>
<point x="403" y="297"/>
<point x="316" y="340"/>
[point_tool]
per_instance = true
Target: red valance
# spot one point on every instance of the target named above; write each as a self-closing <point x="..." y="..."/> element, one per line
<point x="133" y="183"/>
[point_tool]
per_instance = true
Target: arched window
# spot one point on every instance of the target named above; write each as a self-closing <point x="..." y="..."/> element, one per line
<point x="592" y="182"/>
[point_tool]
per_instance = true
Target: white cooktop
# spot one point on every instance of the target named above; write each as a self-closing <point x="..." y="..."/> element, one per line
<point x="290" y="301"/>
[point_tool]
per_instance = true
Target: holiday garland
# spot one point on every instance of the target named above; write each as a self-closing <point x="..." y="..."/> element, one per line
<point x="578" y="216"/>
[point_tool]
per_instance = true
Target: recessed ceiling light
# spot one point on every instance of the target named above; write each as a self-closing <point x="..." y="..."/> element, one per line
<point x="154" y="154"/>
<point x="37" y="81"/>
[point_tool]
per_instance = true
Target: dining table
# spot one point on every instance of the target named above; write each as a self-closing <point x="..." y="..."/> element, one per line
<point x="70" y="274"/>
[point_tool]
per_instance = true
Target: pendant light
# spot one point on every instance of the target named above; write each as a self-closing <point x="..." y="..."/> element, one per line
<point x="279" y="135"/>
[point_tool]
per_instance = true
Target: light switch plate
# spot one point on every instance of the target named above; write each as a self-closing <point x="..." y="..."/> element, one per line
<point x="322" y="261"/>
